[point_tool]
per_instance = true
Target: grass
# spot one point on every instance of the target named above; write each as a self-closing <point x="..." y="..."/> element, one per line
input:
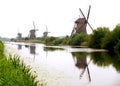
<point x="13" y="72"/>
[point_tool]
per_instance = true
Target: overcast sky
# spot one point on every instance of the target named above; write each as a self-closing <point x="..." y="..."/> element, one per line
<point x="58" y="15"/>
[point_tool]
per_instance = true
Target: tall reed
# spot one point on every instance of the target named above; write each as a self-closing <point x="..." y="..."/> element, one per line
<point x="13" y="72"/>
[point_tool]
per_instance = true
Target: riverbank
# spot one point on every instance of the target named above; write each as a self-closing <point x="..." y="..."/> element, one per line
<point x="13" y="71"/>
<point x="61" y="67"/>
<point x="101" y="38"/>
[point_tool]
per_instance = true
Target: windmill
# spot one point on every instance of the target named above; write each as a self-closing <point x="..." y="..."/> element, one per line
<point x="19" y="35"/>
<point x="33" y="32"/>
<point x="45" y="34"/>
<point x="81" y="23"/>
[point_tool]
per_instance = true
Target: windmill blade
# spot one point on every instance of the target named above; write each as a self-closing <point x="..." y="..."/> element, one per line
<point x="88" y="12"/>
<point x="29" y="35"/>
<point x="82" y="13"/>
<point x="87" y="17"/>
<point x="33" y="25"/>
<point x="90" y="26"/>
<point x="46" y="29"/>
<point x="83" y="16"/>
<point x="89" y="71"/>
<point x="89" y="74"/>
<point x="73" y="31"/>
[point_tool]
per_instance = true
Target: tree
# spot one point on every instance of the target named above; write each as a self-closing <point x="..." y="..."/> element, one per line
<point x="78" y="39"/>
<point x="112" y="40"/>
<point x="97" y="36"/>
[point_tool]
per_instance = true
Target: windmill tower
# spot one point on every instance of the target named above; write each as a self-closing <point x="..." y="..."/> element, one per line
<point x="81" y="23"/>
<point x="33" y="32"/>
<point x="45" y="34"/>
<point x="19" y="35"/>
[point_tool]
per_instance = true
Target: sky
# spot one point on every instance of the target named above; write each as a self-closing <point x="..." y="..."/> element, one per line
<point x="58" y="15"/>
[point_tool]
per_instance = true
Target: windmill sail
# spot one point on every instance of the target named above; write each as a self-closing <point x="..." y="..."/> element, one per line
<point x="81" y="23"/>
<point x="33" y="32"/>
<point x="45" y="34"/>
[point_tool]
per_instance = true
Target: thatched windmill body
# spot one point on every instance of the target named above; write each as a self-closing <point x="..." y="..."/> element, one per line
<point x="33" y="32"/>
<point x="81" y="23"/>
<point x="19" y="36"/>
<point x="45" y="34"/>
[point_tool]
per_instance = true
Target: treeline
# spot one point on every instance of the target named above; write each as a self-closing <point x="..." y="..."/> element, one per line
<point x="101" y="38"/>
<point x="75" y="40"/>
<point x="14" y="72"/>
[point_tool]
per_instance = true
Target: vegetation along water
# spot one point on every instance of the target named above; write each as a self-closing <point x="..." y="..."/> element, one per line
<point x="101" y="38"/>
<point x="13" y="72"/>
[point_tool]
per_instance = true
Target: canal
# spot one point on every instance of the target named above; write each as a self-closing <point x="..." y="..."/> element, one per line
<point x="68" y="66"/>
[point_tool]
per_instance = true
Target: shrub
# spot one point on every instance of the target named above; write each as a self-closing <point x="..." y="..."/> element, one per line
<point x="49" y="40"/>
<point x="78" y="39"/>
<point x="65" y="40"/>
<point x="108" y="42"/>
<point x="112" y="40"/>
<point x="97" y="36"/>
<point x="117" y="47"/>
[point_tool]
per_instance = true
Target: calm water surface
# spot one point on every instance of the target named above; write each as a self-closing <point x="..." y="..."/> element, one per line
<point x="66" y="66"/>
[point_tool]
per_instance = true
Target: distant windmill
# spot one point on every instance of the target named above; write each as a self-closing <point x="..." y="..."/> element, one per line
<point x="33" y="32"/>
<point x="19" y="35"/>
<point x="45" y="34"/>
<point x="81" y="23"/>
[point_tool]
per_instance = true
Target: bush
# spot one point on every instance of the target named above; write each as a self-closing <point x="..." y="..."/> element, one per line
<point x="65" y="40"/>
<point x="97" y="36"/>
<point x="108" y="42"/>
<point x="49" y="40"/>
<point x="112" y="40"/>
<point x="78" y="39"/>
<point x="117" y="47"/>
<point x="57" y="41"/>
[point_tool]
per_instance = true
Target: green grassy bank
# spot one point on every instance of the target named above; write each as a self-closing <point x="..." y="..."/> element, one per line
<point x="13" y="72"/>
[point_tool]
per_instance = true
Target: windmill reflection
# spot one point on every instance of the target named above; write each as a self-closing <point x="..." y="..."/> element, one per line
<point x="19" y="46"/>
<point x="32" y="50"/>
<point x="81" y="63"/>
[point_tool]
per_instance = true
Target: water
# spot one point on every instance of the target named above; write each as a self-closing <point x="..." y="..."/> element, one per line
<point x="66" y="66"/>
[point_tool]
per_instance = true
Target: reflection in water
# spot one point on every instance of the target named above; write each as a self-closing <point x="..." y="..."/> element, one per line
<point x="46" y="49"/>
<point x="103" y="59"/>
<point x="98" y="63"/>
<point x="26" y="46"/>
<point x="52" y="48"/>
<point x="32" y="49"/>
<point x="81" y="63"/>
<point x="19" y="46"/>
